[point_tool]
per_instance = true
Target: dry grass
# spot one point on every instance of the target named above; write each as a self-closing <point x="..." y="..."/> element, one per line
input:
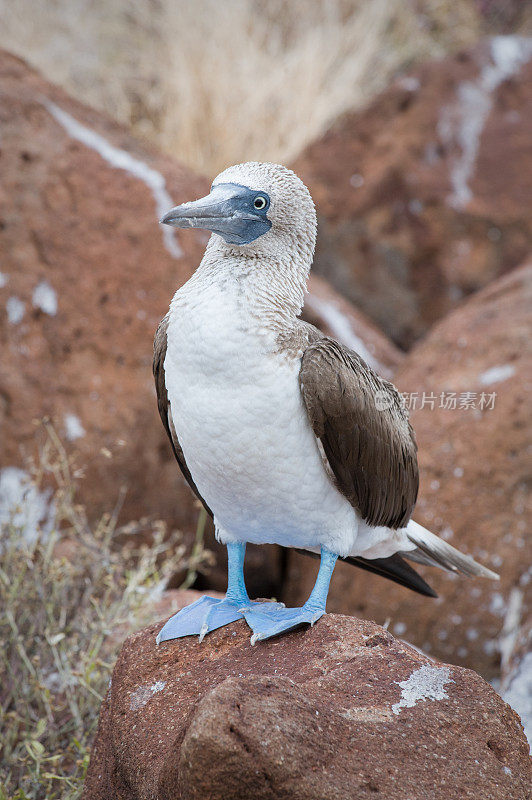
<point x="216" y="82"/>
<point x="61" y="622"/>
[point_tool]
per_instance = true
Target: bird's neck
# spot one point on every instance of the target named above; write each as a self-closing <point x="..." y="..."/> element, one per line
<point x="271" y="286"/>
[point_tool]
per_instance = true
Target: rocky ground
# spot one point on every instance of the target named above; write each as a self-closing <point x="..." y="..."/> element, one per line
<point x="423" y="197"/>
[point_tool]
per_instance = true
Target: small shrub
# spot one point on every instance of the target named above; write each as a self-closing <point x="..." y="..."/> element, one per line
<point x="67" y="599"/>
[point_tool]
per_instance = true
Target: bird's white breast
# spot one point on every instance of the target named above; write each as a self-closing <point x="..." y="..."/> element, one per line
<point x="240" y="420"/>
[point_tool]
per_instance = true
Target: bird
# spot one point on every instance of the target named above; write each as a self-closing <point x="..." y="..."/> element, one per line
<point x="285" y="435"/>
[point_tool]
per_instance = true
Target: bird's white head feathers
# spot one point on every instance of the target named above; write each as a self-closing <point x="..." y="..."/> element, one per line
<point x="291" y="210"/>
<point x="263" y="224"/>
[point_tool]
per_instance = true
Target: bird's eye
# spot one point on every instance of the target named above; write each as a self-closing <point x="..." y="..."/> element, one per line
<point x="260" y="203"/>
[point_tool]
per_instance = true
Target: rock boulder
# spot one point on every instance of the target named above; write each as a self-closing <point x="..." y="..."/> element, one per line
<point x="468" y="386"/>
<point x="86" y="274"/>
<point x="425" y="196"/>
<point x="339" y="710"/>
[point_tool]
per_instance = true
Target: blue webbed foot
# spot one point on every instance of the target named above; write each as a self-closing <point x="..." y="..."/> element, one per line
<point x="271" y="619"/>
<point x="205" y="615"/>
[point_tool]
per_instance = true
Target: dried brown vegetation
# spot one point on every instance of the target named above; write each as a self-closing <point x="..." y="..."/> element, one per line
<point x="217" y="83"/>
<point x="67" y="599"/>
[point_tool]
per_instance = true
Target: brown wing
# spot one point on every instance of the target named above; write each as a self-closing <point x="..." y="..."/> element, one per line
<point x="363" y="426"/>
<point x="159" y="354"/>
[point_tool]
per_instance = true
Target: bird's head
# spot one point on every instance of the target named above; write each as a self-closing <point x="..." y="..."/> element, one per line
<point x="256" y="208"/>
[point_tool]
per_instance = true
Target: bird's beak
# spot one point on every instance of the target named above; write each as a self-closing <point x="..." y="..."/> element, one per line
<point x="227" y="210"/>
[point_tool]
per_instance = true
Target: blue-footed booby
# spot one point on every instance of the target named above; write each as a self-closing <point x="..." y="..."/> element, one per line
<point x="285" y="435"/>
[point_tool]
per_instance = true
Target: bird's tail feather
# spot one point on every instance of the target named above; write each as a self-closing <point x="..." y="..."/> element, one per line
<point x="430" y="549"/>
<point x="396" y="569"/>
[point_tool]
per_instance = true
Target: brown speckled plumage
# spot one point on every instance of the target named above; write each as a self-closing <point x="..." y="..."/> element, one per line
<point x="363" y="426"/>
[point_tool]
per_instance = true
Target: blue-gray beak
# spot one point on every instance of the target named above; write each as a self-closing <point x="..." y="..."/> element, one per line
<point x="236" y="213"/>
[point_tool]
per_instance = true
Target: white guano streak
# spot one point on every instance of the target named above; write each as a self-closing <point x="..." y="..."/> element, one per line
<point x="45" y="298"/>
<point x="15" y="310"/>
<point x="24" y="507"/>
<point x="121" y="159"/>
<point x="518" y="693"/>
<point x="463" y="122"/>
<point x="341" y="328"/>
<point x="73" y="427"/>
<point x="496" y="374"/>
<point x="511" y="626"/>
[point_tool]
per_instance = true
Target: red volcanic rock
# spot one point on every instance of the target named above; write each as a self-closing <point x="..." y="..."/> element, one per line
<point x="474" y="465"/>
<point x="425" y="196"/>
<point x="87" y="273"/>
<point x="339" y="710"/>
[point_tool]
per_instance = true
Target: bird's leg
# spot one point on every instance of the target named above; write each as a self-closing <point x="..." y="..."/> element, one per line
<point x="209" y="613"/>
<point x="236" y="586"/>
<point x="318" y="596"/>
<point x="267" y="620"/>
